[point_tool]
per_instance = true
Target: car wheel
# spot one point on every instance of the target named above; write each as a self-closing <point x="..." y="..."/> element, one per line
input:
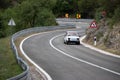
<point x="78" y="43"/>
<point x="67" y="42"/>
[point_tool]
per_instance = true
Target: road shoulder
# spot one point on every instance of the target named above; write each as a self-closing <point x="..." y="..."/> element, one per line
<point x="97" y="49"/>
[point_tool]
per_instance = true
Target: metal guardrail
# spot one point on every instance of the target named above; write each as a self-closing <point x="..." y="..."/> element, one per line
<point x="24" y="65"/>
<point x="74" y="20"/>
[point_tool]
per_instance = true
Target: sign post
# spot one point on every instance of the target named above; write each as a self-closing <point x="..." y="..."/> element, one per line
<point x="66" y="15"/>
<point x="93" y="24"/>
<point x="78" y="16"/>
<point x="95" y="41"/>
<point x="11" y="23"/>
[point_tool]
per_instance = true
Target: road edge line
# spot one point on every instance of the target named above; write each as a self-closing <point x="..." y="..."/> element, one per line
<point x="81" y="60"/>
<point x="31" y="61"/>
<point x="96" y="49"/>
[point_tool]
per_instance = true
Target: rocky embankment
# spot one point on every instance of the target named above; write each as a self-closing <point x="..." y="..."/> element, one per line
<point x="108" y="37"/>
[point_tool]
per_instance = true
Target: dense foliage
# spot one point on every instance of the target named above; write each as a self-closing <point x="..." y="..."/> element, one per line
<point x="87" y="8"/>
<point x="26" y="14"/>
<point x="84" y="7"/>
<point x="30" y="13"/>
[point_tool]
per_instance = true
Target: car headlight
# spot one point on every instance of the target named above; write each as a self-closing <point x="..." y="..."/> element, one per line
<point x="68" y="39"/>
<point x="78" y="39"/>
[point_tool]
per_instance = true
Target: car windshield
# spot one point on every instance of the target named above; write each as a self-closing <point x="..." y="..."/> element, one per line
<point x="72" y="33"/>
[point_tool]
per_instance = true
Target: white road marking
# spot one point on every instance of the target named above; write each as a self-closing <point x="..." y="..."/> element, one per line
<point x="81" y="60"/>
<point x="99" y="50"/>
<point x="38" y="67"/>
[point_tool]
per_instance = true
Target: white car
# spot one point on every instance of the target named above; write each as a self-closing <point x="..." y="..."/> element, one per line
<point x="72" y="37"/>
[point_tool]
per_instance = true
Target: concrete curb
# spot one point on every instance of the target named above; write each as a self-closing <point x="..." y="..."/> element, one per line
<point x="96" y="49"/>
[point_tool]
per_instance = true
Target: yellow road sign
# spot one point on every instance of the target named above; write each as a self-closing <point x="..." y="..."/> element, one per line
<point x="67" y="15"/>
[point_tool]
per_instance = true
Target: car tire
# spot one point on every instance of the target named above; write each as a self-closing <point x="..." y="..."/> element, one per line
<point x="67" y="43"/>
<point x="78" y="43"/>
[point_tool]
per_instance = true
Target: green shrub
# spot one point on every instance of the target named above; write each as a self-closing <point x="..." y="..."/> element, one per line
<point x="98" y="15"/>
<point x="116" y="16"/>
<point x="26" y="15"/>
<point x="115" y="19"/>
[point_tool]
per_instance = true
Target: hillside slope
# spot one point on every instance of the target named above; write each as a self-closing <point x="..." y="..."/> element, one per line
<point x="108" y="37"/>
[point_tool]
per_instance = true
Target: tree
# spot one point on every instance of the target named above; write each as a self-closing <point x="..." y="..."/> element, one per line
<point x="1" y="27"/>
<point x="4" y="4"/>
<point x="87" y="8"/>
<point x="109" y="6"/>
<point x="60" y="8"/>
<point x="28" y="13"/>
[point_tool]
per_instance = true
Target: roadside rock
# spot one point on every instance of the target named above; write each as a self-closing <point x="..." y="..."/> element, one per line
<point x="107" y="36"/>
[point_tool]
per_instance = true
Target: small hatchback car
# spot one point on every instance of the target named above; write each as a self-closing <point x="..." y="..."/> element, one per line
<point x="72" y="37"/>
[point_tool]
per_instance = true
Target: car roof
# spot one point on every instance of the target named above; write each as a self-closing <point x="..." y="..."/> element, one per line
<point x="72" y="33"/>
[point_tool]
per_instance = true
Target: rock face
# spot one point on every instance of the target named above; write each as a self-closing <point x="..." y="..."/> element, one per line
<point x="114" y="38"/>
<point x="106" y="35"/>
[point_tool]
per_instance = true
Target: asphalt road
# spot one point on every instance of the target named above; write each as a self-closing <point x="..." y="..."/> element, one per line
<point x="70" y="62"/>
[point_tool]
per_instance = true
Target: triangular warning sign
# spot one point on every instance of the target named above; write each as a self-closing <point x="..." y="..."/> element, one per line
<point x="11" y="22"/>
<point x="93" y="24"/>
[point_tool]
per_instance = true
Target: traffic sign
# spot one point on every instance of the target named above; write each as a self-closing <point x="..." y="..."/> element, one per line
<point x="78" y="16"/>
<point x="93" y="24"/>
<point x="11" y="22"/>
<point x="67" y="15"/>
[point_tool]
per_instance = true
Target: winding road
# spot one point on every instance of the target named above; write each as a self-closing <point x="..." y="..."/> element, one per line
<point x="70" y="62"/>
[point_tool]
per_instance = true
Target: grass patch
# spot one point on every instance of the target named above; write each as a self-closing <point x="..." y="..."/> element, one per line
<point x="8" y="64"/>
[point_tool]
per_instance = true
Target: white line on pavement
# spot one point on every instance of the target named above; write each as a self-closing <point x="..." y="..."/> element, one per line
<point x="81" y="60"/>
<point x="21" y="49"/>
<point x="40" y="69"/>
<point x="96" y="49"/>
